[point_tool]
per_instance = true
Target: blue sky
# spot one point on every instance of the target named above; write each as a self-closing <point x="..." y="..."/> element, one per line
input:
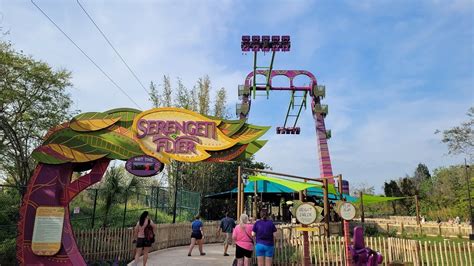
<point x="395" y="71"/>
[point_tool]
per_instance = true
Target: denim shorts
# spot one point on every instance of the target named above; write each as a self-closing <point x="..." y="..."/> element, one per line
<point x="264" y="251"/>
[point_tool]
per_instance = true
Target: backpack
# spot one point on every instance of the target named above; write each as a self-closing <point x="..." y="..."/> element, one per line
<point x="149" y="234"/>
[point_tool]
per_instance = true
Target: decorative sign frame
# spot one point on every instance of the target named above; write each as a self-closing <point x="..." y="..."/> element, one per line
<point x="91" y="140"/>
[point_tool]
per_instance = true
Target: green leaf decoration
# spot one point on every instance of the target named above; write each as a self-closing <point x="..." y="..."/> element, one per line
<point x="230" y="127"/>
<point x="227" y="154"/>
<point x="107" y="141"/>
<point x="109" y="134"/>
<point x="48" y="156"/>
<point x="92" y="121"/>
<point x="126" y="115"/>
<point x="249" y="133"/>
<point x="251" y="149"/>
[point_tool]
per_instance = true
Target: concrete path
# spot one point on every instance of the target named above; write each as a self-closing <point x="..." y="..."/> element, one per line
<point x="179" y="256"/>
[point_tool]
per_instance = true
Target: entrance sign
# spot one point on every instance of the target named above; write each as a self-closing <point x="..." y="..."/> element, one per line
<point x="143" y="166"/>
<point x="47" y="231"/>
<point x="347" y="211"/>
<point x="306" y="213"/>
<point x="89" y="141"/>
<point x="179" y="134"/>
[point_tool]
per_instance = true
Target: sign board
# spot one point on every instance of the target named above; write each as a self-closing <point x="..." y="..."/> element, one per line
<point x="77" y="210"/>
<point x="143" y="166"/>
<point x="306" y="213"/>
<point x="179" y="134"/>
<point x="47" y="231"/>
<point x="308" y="229"/>
<point x="347" y="211"/>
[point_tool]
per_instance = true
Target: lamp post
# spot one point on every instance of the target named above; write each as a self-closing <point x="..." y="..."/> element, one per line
<point x="175" y="191"/>
<point x="468" y="181"/>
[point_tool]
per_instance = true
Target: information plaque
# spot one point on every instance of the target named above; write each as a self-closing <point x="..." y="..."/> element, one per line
<point x="47" y="231"/>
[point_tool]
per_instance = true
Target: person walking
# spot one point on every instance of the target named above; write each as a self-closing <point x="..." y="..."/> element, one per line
<point x="197" y="235"/>
<point x="143" y="237"/>
<point x="243" y="240"/>
<point x="264" y="231"/>
<point x="226" y="226"/>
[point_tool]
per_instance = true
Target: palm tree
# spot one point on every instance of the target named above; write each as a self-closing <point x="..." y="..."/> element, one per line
<point x="112" y="189"/>
<point x="116" y="186"/>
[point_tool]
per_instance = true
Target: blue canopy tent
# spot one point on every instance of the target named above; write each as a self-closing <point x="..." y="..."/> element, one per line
<point x="270" y="190"/>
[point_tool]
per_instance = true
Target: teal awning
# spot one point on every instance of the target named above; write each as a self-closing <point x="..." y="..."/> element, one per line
<point x="267" y="187"/>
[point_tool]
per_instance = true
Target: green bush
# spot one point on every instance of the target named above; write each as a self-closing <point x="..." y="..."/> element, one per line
<point x="8" y="251"/>
<point x="371" y="230"/>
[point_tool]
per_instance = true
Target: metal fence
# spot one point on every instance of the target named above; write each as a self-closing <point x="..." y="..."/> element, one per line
<point x="87" y="211"/>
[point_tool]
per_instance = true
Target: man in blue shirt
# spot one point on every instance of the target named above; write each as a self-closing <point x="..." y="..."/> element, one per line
<point x="226" y="226"/>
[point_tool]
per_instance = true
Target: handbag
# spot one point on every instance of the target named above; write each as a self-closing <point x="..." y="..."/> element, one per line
<point x="149" y="234"/>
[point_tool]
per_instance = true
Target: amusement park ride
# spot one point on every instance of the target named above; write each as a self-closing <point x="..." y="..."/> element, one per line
<point x="317" y="92"/>
<point x="298" y="96"/>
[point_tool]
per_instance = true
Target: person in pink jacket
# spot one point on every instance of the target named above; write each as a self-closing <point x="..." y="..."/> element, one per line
<point x="243" y="240"/>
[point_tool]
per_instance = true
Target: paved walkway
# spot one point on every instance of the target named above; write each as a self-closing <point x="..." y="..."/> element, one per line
<point x="178" y="256"/>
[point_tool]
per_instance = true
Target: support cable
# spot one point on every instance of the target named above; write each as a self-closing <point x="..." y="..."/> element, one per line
<point x="85" y="54"/>
<point x="111" y="45"/>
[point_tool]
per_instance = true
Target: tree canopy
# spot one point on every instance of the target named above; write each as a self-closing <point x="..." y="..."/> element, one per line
<point x="33" y="98"/>
<point x="460" y="139"/>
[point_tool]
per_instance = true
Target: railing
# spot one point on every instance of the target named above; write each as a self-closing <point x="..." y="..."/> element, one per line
<point x="330" y="251"/>
<point x="428" y="229"/>
<point x="116" y="244"/>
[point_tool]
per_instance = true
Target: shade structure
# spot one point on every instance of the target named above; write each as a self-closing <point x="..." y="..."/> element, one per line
<point x="293" y="185"/>
<point x="370" y="199"/>
<point x="273" y="190"/>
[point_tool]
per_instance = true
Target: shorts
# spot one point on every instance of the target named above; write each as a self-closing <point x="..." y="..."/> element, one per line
<point x="197" y="235"/>
<point x="242" y="252"/>
<point x="264" y="251"/>
<point x="142" y="243"/>
<point x="228" y="239"/>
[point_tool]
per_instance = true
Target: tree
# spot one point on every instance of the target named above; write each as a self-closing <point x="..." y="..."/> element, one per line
<point x="167" y="92"/>
<point x="362" y="187"/>
<point x="33" y="99"/>
<point x="421" y="179"/>
<point x="391" y="189"/>
<point x="155" y="97"/>
<point x="115" y="186"/>
<point x="204" y="87"/>
<point x="183" y="96"/>
<point x="447" y="197"/>
<point x="219" y="106"/>
<point x="408" y="189"/>
<point x="460" y="139"/>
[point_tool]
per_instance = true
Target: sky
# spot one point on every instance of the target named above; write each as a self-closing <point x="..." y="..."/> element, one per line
<point x="394" y="71"/>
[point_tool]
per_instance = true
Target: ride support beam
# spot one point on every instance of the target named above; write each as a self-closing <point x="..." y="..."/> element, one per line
<point x="326" y="207"/>
<point x="339" y="188"/>
<point x="239" y="183"/>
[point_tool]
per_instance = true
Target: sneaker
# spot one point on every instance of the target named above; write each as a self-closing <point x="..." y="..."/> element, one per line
<point x="225" y="254"/>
